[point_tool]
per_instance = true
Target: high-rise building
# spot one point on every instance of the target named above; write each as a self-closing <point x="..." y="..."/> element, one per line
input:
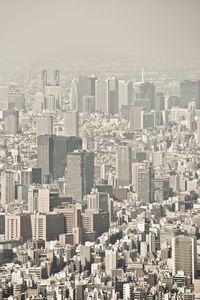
<point x="124" y="161"/>
<point x="147" y="119"/>
<point x="26" y="177"/>
<point x="101" y="95"/>
<point x="143" y="176"/>
<point x="83" y="90"/>
<point x="80" y="174"/>
<point x="112" y="96"/>
<point x="7" y="187"/>
<point x="72" y="217"/>
<point x="53" y="97"/>
<point x="3" y="97"/>
<point x="17" y="227"/>
<point x="44" y="125"/>
<point x="71" y="123"/>
<point x="110" y="260"/>
<point x="11" y="122"/>
<point x="42" y="80"/>
<point x="125" y="93"/>
<point x="47" y="227"/>
<point x="52" y="153"/>
<point x="159" y="102"/>
<point x="38" y="200"/>
<point x="184" y="255"/>
<point x="135" y="118"/>
<point x="189" y="90"/>
<point x="146" y="91"/>
<point x="56" y="77"/>
<point x="74" y="95"/>
<point x="88" y="104"/>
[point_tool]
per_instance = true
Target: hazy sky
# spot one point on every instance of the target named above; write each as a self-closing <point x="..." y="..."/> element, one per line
<point x="118" y="28"/>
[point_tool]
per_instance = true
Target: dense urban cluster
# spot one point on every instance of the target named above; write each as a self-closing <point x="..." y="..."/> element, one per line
<point x="100" y="189"/>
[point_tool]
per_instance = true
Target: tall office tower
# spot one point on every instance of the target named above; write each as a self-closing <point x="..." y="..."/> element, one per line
<point x="12" y="122"/>
<point x="189" y="90"/>
<point x="7" y="187"/>
<point x="147" y="120"/>
<point x="112" y="95"/>
<point x="36" y="175"/>
<point x="125" y="93"/>
<point x="2" y="223"/>
<point x="39" y="102"/>
<point x="110" y="260"/>
<point x="38" y="200"/>
<point x="92" y="85"/>
<point x="44" y="125"/>
<point x="56" y="77"/>
<point x="135" y="114"/>
<point x="101" y="95"/>
<point x="72" y="217"/>
<point x="88" y="104"/>
<point x="3" y="98"/>
<point x="42" y="81"/>
<point x="47" y="227"/>
<point x="74" y="95"/>
<point x="53" y="96"/>
<point x="143" y="176"/>
<point x="84" y="89"/>
<point x="26" y="176"/>
<point x="184" y="255"/>
<point x="159" y="102"/>
<point x="52" y="153"/>
<point x="80" y="174"/>
<point x="18" y="227"/>
<point x="124" y="161"/>
<point x="146" y="91"/>
<point x="71" y="123"/>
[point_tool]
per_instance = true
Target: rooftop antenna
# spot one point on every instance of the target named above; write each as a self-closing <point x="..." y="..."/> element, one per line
<point x="142" y="75"/>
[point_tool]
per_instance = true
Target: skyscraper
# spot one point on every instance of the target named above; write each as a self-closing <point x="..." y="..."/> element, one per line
<point x="44" y="125"/>
<point x="71" y="123"/>
<point x="125" y="93"/>
<point x="7" y="187"/>
<point x="189" y="90"/>
<point x="112" y="95"/>
<point x="124" y="160"/>
<point x="101" y="95"/>
<point x="143" y="176"/>
<point x="12" y="122"/>
<point x="74" y="95"/>
<point x="38" y="200"/>
<point x="42" y="81"/>
<point x="79" y="174"/>
<point x="52" y="153"/>
<point x="184" y="255"/>
<point x="146" y="91"/>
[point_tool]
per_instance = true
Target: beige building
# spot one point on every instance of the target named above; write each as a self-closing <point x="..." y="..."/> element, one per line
<point x="18" y="227"/>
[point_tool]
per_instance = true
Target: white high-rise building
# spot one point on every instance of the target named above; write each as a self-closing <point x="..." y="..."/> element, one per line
<point x="125" y="93"/>
<point x="7" y="187"/>
<point x="184" y="255"/>
<point x="71" y="123"/>
<point x="101" y="91"/>
<point x="110" y="260"/>
<point x="38" y="104"/>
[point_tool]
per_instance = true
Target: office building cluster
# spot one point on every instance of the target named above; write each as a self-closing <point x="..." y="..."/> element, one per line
<point x="100" y="188"/>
